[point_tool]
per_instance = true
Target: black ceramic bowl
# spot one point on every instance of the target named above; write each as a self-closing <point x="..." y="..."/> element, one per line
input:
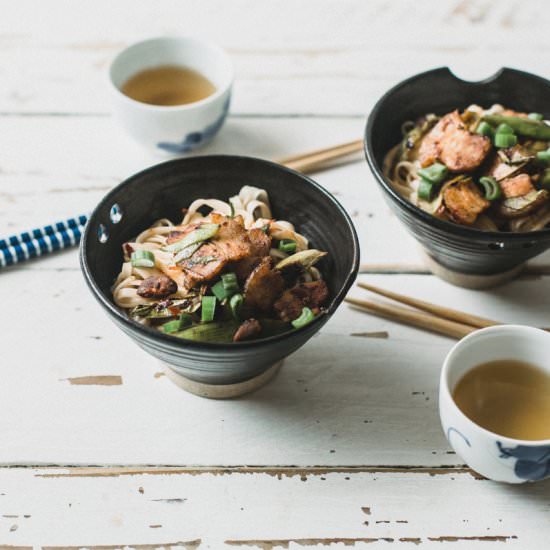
<point x="456" y="247"/>
<point x="161" y="191"/>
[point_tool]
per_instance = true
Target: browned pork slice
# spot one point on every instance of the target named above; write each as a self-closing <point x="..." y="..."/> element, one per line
<point x="158" y="286"/>
<point x="263" y="286"/>
<point x="313" y="295"/>
<point x="204" y="265"/>
<point x="260" y="243"/>
<point x="451" y="143"/>
<point x="230" y="244"/>
<point x="464" y="202"/>
<point x="248" y="329"/>
<point x="516" y="186"/>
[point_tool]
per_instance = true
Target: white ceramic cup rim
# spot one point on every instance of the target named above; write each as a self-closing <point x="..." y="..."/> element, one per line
<point x="199" y="43"/>
<point x="447" y="366"/>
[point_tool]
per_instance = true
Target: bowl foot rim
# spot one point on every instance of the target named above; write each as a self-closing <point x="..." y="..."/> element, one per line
<point x="467" y="280"/>
<point x="221" y="391"/>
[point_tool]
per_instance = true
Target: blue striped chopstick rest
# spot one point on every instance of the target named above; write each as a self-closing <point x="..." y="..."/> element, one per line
<point x="41" y="241"/>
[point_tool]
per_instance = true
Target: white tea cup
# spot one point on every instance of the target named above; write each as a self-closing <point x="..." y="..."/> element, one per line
<point x="173" y="129"/>
<point x="492" y="455"/>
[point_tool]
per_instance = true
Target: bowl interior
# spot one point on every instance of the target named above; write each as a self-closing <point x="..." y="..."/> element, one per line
<point x="439" y="91"/>
<point x="163" y="190"/>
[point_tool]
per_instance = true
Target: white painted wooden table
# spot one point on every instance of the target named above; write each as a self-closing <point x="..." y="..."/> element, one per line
<point x="344" y="448"/>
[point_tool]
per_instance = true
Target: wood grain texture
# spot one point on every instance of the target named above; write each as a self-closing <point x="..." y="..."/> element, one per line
<point x="340" y="400"/>
<point x="215" y="509"/>
<point x="328" y="58"/>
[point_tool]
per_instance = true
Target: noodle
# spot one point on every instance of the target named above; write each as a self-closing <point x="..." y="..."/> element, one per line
<point x="252" y="204"/>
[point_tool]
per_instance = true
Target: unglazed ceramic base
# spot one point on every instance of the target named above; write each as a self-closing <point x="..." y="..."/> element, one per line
<point x="218" y="391"/>
<point x="465" y="280"/>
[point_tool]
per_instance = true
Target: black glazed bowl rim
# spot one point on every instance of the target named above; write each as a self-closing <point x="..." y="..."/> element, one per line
<point x="118" y="314"/>
<point x="417" y="212"/>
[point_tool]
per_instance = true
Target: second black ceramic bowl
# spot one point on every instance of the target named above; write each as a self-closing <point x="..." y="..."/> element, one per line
<point x="161" y="192"/>
<point x="456" y="247"/>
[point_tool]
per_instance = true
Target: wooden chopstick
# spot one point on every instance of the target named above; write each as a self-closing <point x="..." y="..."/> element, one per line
<point x="321" y="158"/>
<point x="415" y="318"/>
<point x="440" y="311"/>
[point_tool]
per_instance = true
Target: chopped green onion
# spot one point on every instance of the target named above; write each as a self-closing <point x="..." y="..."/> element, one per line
<point x="485" y="129"/>
<point x="491" y="187"/>
<point x="305" y="318"/>
<point x="544" y="156"/>
<point x="426" y="190"/>
<point x="287" y="245"/>
<point x="434" y="174"/>
<point x="143" y="258"/>
<point x="208" y="308"/>
<point x="202" y="233"/>
<point x="182" y="322"/>
<point x="504" y="129"/>
<point x="235" y="304"/>
<point x="230" y="283"/>
<point x="505" y="140"/>
<point x="219" y="291"/>
<point x="536" y="116"/>
<point x="171" y="326"/>
<point x="545" y="180"/>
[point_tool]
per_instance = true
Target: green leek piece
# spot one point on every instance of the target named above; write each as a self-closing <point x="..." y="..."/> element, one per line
<point x="142" y="258"/>
<point x="235" y="304"/>
<point x="536" y="116"/>
<point x="187" y="252"/>
<point x="544" y="156"/>
<point x="434" y="173"/>
<point x="219" y="291"/>
<point x="504" y="129"/>
<point x="491" y="187"/>
<point x="305" y="318"/>
<point x="208" y="308"/>
<point x="503" y="141"/>
<point x="527" y="127"/>
<point x="202" y="233"/>
<point x="230" y="283"/>
<point x="485" y="129"/>
<point x="182" y="322"/>
<point x="221" y="332"/>
<point x="305" y="259"/>
<point x="287" y="245"/>
<point x="426" y="190"/>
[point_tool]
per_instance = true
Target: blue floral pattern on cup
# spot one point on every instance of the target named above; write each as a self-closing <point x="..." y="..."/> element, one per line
<point x="195" y="139"/>
<point x="532" y="463"/>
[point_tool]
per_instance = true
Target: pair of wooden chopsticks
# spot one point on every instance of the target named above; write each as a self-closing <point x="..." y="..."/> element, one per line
<point x="432" y="317"/>
<point x="323" y="158"/>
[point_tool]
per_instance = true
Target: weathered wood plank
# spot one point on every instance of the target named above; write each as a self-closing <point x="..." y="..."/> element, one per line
<point x="323" y="59"/>
<point x="340" y="400"/>
<point x="268" y="510"/>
